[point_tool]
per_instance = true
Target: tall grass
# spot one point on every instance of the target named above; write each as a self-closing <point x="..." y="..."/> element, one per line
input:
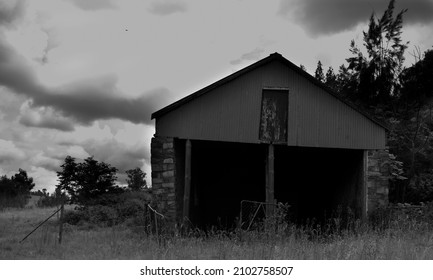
<point x="408" y="240"/>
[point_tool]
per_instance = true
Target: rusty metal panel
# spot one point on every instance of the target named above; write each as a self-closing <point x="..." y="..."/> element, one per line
<point x="231" y="112"/>
<point x="273" y="117"/>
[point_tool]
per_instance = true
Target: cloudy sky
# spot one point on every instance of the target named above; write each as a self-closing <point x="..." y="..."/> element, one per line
<point x="82" y="77"/>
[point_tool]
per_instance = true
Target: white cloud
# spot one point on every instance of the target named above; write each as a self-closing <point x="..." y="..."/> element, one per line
<point x="43" y="161"/>
<point x="9" y="152"/>
<point x="43" y="178"/>
<point x="77" y="151"/>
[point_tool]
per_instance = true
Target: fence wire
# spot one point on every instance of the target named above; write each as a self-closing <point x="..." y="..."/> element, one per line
<point x="254" y="214"/>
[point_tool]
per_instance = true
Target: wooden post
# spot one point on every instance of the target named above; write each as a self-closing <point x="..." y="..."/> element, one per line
<point x="187" y="187"/>
<point x="364" y="186"/>
<point x="62" y="208"/>
<point x="270" y="179"/>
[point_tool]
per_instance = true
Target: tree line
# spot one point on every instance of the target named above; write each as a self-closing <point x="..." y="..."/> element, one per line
<point x="86" y="181"/>
<point x="81" y="183"/>
<point x="375" y="79"/>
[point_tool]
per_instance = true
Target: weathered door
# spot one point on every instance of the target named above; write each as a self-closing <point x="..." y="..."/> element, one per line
<point x="273" y="117"/>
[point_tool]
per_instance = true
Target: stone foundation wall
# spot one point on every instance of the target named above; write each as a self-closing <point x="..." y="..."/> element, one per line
<point x="377" y="179"/>
<point x="163" y="162"/>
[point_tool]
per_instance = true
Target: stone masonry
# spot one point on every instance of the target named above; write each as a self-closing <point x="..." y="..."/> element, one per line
<point x="377" y="179"/>
<point x="163" y="162"/>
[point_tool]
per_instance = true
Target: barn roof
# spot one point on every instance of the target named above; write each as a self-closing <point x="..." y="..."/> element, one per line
<point x="272" y="57"/>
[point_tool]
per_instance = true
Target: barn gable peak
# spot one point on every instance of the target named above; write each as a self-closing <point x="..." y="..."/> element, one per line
<point x="271" y="58"/>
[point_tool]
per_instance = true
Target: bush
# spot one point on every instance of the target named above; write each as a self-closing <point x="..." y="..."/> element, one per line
<point x="19" y="201"/>
<point x="110" y="209"/>
<point x="49" y="201"/>
<point x="403" y="216"/>
<point x="73" y="217"/>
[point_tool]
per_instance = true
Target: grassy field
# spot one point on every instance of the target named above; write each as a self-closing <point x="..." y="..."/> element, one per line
<point x="410" y="240"/>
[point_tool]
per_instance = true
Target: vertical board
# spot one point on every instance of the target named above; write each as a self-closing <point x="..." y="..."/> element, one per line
<point x="187" y="188"/>
<point x="273" y="117"/>
<point x="270" y="180"/>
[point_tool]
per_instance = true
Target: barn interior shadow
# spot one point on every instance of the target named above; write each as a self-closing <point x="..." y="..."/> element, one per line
<point x="313" y="181"/>
<point x="318" y="182"/>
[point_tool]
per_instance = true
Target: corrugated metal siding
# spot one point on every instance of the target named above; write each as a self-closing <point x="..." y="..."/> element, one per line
<point x="231" y="113"/>
<point x="318" y="119"/>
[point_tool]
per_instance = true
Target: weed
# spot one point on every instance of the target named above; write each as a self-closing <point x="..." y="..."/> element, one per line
<point x="411" y="239"/>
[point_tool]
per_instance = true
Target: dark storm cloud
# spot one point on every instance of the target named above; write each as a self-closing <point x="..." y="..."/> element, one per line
<point x="99" y="98"/>
<point x="10" y="12"/>
<point x="15" y="74"/>
<point x="252" y="55"/>
<point x="167" y="7"/>
<point x="85" y="101"/>
<point x="333" y="16"/>
<point x="93" y="5"/>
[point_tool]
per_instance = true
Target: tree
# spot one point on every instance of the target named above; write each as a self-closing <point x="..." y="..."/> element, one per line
<point x="377" y="73"/>
<point x="14" y="191"/>
<point x="95" y="178"/>
<point x="331" y="79"/>
<point x="68" y="177"/>
<point x="318" y="74"/>
<point x="23" y="183"/>
<point x="411" y="136"/>
<point x="136" y="179"/>
<point x="7" y="187"/>
<point x="417" y="81"/>
<point x="85" y="182"/>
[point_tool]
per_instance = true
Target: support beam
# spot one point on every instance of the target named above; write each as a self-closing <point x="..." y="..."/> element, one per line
<point x="270" y="180"/>
<point x="187" y="187"/>
<point x="364" y="186"/>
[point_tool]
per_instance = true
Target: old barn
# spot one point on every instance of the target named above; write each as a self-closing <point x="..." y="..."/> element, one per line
<point x="272" y="133"/>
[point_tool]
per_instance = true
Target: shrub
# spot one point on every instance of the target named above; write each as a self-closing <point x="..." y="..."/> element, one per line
<point x="110" y="209"/>
<point x="48" y="201"/>
<point x="403" y="216"/>
<point x="73" y="217"/>
<point x="19" y="201"/>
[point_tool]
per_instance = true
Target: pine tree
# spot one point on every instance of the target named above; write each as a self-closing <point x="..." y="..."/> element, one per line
<point x="319" y="72"/>
<point x="136" y="179"/>
<point x="331" y="79"/>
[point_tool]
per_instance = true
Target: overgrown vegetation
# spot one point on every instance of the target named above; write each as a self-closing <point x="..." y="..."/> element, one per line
<point x="128" y="208"/>
<point x="407" y="235"/>
<point x="15" y="191"/>
<point x="375" y="79"/>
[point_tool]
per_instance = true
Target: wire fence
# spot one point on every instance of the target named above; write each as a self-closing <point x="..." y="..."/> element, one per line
<point x="59" y="212"/>
<point x="155" y="222"/>
<point x="255" y="215"/>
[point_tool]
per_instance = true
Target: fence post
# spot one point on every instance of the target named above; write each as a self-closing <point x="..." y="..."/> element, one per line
<point x="62" y="209"/>
<point x="270" y="181"/>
